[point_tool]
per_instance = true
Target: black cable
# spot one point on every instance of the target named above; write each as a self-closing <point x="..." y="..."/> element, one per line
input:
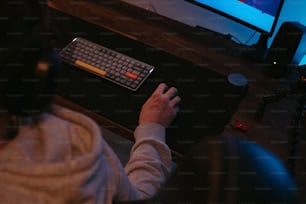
<point x="246" y="42"/>
<point x="298" y="88"/>
<point x="297" y="125"/>
<point x="269" y="99"/>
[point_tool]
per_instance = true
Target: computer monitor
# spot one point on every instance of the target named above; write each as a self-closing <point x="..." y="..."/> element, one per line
<point x="260" y="15"/>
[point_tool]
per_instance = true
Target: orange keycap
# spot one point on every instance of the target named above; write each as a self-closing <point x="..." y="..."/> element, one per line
<point x="90" y="67"/>
<point x="131" y="75"/>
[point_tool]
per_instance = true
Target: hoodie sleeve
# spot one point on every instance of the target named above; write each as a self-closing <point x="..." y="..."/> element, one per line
<point x="149" y="164"/>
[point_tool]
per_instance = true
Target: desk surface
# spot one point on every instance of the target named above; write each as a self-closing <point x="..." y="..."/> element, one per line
<point x="215" y="53"/>
<point x="208" y="99"/>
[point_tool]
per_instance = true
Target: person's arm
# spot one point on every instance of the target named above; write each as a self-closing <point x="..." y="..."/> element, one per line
<point x="150" y="161"/>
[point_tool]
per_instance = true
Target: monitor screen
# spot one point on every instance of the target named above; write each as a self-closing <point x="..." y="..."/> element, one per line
<point x="260" y="15"/>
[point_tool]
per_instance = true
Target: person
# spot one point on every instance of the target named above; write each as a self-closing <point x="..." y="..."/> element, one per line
<point x="50" y="154"/>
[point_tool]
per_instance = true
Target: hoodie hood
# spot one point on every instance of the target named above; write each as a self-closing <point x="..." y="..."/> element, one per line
<point x="55" y="161"/>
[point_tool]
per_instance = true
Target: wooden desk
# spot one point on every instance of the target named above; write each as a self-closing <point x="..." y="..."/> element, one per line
<point x="204" y="48"/>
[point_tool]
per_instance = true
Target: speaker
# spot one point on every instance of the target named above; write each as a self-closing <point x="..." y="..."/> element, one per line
<point x="287" y="48"/>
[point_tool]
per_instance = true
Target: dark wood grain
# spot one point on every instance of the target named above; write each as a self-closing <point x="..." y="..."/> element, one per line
<point x="214" y="52"/>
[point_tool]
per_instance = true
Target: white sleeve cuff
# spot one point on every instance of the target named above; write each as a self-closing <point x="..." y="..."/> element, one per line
<point x="150" y="130"/>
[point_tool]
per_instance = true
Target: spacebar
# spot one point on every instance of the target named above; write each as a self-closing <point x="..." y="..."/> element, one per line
<point x="90" y="68"/>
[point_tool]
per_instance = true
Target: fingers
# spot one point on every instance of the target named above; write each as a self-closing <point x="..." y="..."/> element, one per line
<point x="171" y="94"/>
<point x="175" y="101"/>
<point x="162" y="87"/>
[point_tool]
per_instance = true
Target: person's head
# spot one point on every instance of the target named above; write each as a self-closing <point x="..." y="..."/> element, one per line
<point x="28" y="63"/>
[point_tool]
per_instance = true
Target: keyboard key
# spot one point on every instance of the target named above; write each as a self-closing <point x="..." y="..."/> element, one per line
<point x="90" y="67"/>
<point x="131" y="75"/>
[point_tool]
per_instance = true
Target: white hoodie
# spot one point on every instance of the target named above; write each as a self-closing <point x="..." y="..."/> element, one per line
<point x="64" y="159"/>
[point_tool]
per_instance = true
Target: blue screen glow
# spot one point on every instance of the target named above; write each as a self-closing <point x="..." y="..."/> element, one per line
<point x="259" y="14"/>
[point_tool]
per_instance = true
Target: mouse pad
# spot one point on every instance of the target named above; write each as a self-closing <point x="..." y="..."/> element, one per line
<point x="208" y="100"/>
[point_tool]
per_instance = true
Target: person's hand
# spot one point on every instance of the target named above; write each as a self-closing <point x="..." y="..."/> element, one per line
<point x="161" y="107"/>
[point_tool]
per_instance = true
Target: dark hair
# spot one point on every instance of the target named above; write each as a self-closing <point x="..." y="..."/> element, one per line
<point x="28" y="62"/>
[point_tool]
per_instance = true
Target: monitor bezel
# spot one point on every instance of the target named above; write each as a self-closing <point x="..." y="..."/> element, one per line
<point x="245" y="23"/>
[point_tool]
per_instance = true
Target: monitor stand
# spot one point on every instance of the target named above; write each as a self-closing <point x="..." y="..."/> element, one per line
<point x="259" y="50"/>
